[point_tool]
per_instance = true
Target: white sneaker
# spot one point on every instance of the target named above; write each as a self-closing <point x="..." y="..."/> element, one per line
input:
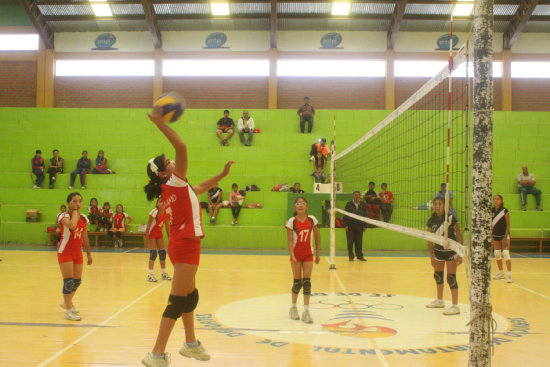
<point x="151" y="278"/>
<point x="83" y="187"/>
<point x="36" y="187"/>
<point x="151" y="360"/>
<point x="165" y="276"/>
<point x="306" y="317"/>
<point x="436" y="303"/>
<point x="73" y="316"/>
<point x="453" y="310"/>
<point x="70" y="187"/>
<point x="194" y="352"/>
<point x="509" y="280"/>
<point x="293" y="313"/>
<point x="64" y="306"/>
<point x="498" y="276"/>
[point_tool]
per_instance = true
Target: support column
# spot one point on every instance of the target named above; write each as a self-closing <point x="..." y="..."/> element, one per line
<point x="506" y="92"/>
<point x="272" y="86"/>
<point x="157" y="78"/>
<point x="49" y="78"/>
<point x="390" y="81"/>
<point x="40" y="70"/>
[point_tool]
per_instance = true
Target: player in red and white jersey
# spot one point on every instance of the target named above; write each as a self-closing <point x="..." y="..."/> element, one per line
<point x="120" y="220"/>
<point x="299" y="231"/>
<point x="158" y="219"/>
<point x="169" y="182"/>
<point x="73" y="234"/>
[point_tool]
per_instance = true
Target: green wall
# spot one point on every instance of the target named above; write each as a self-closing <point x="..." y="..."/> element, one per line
<point x="13" y="14"/>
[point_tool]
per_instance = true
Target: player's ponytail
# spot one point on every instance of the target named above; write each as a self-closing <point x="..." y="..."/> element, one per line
<point x="153" y="189"/>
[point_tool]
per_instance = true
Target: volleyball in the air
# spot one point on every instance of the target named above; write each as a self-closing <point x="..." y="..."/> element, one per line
<point x="173" y="106"/>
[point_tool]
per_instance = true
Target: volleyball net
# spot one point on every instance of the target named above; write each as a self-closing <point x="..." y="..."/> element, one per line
<point x="421" y="145"/>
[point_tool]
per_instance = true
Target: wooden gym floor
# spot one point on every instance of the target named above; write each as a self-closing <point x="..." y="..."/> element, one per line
<point x="365" y="314"/>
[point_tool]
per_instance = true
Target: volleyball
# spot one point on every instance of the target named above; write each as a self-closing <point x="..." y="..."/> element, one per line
<point x="173" y="106"/>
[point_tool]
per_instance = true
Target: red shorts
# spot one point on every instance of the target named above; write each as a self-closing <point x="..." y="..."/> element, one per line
<point x="155" y="236"/>
<point x="187" y="251"/>
<point x="302" y="257"/>
<point x="67" y="255"/>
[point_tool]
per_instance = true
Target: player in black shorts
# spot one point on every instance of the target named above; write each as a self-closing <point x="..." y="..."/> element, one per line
<point x="441" y="256"/>
<point x="501" y="237"/>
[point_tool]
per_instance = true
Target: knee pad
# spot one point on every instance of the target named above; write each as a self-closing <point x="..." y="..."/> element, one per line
<point x="76" y="284"/>
<point x="498" y="254"/>
<point x="152" y="255"/>
<point x="307" y="286"/>
<point x="506" y="254"/>
<point x="68" y="284"/>
<point x="192" y="301"/>
<point x="175" y="308"/>
<point x="438" y="276"/>
<point x="162" y="255"/>
<point x="297" y="286"/>
<point x="451" y="280"/>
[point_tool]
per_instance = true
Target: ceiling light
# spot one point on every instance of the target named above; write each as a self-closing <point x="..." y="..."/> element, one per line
<point x="341" y="8"/>
<point x="219" y="8"/>
<point x="463" y="9"/>
<point x="101" y="10"/>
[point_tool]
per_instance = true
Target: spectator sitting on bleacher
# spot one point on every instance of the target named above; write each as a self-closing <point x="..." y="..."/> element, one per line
<point x="106" y="217"/>
<point x="441" y="194"/>
<point x="386" y="202"/>
<point x="236" y="201"/>
<point x="246" y="126"/>
<point x="82" y="168"/>
<point x="56" y="166"/>
<point x="319" y="165"/>
<point x="37" y="163"/>
<point x="225" y="126"/>
<point x="120" y="220"/>
<point x="94" y="214"/>
<point x="214" y="202"/>
<point x="296" y="189"/>
<point x="306" y="113"/>
<point x="526" y="185"/>
<point x="101" y="164"/>
<point x="373" y="204"/>
<point x="320" y="146"/>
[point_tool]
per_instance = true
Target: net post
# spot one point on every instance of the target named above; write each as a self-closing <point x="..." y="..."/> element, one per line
<point x="480" y="302"/>
<point x="332" y="200"/>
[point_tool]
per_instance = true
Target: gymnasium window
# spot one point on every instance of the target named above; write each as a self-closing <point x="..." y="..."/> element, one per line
<point x="523" y="69"/>
<point x="218" y="67"/>
<point x="331" y="68"/>
<point x="104" y="68"/>
<point x="417" y="68"/>
<point x="18" y="42"/>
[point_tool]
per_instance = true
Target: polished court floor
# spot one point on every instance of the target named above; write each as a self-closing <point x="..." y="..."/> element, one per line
<point x="365" y="314"/>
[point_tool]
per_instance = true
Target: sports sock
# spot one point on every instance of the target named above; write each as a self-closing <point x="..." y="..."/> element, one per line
<point x="193" y="345"/>
<point x="306" y="307"/>
<point x="163" y="270"/>
<point x="150" y="271"/>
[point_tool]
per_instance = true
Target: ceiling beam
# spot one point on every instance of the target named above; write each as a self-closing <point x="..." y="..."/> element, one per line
<point x="519" y="21"/>
<point x="129" y="2"/>
<point x="395" y="25"/>
<point x="273" y="25"/>
<point x="39" y="22"/>
<point x="151" y="18"/>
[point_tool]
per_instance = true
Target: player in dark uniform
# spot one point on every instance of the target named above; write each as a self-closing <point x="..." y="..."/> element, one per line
<point x="501" y="237"/>
<point x="440" y="256"/>
<point x="300" y="229"/>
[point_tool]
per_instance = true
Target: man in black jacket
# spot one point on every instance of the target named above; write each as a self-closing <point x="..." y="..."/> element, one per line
<point x="354" y="227"/>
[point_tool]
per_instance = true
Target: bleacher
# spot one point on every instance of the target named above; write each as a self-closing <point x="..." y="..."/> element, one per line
<point x="279" y="154"/>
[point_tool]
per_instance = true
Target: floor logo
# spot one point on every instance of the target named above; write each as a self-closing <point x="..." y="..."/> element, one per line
<point x="356" y="320"/>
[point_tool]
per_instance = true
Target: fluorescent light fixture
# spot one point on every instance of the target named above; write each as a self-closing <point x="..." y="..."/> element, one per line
<point x="427" y="69"/>
<point x="220" y="67"/>
<point x="463" y="9"/>
<point x="331" y="68"/>
<point x="341" y="8"/>
<point x="105" y="68"/>
<point x="219" y="8"/>
<point x="101" y="10"/>
<point x="19" y="42"/>
<point x="524" y="69"/>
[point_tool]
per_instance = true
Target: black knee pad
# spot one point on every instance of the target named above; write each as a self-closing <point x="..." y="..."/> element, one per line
<point x="162" y="255"/>
<point x="438" y="276"/>
<point x="296" y="286"/>
<point x="152" y="255"/>
<point x="307" y="286"/>
<point x="451" y="280"/>
<point x="68" y="284"/>
<point x="76" y="284"/>
<point x="192" y="301"/>
<point x="176" y="307"/>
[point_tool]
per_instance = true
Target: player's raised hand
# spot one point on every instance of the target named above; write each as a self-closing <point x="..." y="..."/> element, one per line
<point x="227" y="167"/>
<point x="156" y="116"/>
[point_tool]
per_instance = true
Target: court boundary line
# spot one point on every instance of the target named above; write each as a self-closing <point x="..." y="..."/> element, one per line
<point x="530" y="290"/>
<point x="98" y="327"/>
<point x="371" y="340"/>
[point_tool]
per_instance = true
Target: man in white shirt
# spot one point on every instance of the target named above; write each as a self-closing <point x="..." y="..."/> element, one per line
<point x="246" y="125"/>
<point x="526" y="185"/>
